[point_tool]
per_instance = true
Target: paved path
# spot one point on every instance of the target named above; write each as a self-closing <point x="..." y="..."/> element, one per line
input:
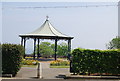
<point x="30" y="73"/>
<point x="53" y="73"/>
<point x="54" y="80"/>
<point x="47" y="73"/>
<point x="26" y="73"/>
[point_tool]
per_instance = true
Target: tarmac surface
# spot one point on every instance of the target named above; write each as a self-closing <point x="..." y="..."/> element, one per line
<point x="54" y="80"/>
<point x="48" y="74"/>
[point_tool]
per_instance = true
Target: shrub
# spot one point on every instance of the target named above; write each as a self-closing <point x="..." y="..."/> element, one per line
<point x="29" y="62"/>
<point x="11" y="58"/>
<point x="60" y="63"/>
<point x="95" y="61"/>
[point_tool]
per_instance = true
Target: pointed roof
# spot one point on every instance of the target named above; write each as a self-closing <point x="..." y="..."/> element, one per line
<point x="46" y="31"/>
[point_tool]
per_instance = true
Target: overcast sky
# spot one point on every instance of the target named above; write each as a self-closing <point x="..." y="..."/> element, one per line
<point x="92" y="27"/>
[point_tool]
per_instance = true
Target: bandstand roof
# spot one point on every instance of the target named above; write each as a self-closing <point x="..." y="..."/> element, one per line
<point x="46" y="31"/>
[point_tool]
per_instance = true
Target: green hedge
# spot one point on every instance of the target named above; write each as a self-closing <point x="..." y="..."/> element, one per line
<point x="11" y="58"/>
<point x="85" y="61"/>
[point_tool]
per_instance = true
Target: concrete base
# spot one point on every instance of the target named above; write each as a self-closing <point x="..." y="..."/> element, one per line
<point x="91" y="77"/>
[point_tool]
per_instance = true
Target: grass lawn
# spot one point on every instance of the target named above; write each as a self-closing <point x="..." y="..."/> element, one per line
<point x="59" y="66"/>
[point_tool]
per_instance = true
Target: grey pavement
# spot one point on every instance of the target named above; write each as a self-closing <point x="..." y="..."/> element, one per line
<point x="26" y="73"/>
<point x="53" y="80"/>
<point x="47" y="73"/>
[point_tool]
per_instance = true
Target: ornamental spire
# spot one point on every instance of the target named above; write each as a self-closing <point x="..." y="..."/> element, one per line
<point x="47" y="17"/>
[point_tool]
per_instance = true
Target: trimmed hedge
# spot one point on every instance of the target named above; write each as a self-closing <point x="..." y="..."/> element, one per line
<point x="85" y="61"/>
<point x="11" y="58"/>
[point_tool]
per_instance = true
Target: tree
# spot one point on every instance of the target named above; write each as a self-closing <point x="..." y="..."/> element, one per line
<point x="45" y="49"/>
<point x="114" y="43"/>
<point x="62" y="49"/>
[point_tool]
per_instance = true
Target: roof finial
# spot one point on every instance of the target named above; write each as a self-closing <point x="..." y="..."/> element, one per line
<point x="47" y="17"/>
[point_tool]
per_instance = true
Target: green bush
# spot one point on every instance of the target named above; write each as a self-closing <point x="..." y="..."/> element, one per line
<point x="11" y="58"/>
<point x="29" y="62"/>
<point x="95" y="61"/>
<point x="59" y="63"/>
